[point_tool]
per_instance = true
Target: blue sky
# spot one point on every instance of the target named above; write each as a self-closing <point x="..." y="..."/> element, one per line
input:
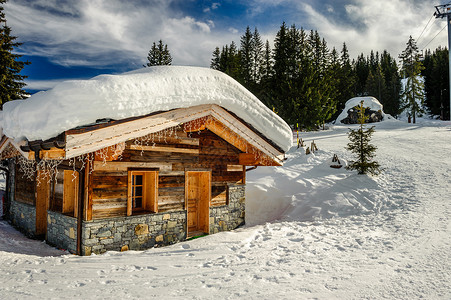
<point x="75" y="39"/>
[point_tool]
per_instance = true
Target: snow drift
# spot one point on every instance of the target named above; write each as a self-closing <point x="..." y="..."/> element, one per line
<point x="81" y="102"/>
<point x="368" y="102"/>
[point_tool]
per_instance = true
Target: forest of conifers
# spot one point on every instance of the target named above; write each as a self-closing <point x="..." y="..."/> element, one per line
<point x="307" y="83"/>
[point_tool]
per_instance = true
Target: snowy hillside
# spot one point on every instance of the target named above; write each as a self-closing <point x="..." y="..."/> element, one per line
<point x="313" y="232"/>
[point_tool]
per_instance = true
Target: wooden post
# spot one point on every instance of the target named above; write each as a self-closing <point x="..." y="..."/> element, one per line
<point x="88" y="191"/>
<point x="42" y="197"/>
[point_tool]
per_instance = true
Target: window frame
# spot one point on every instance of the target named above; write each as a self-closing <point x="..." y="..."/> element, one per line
<point x="149" y="191"/>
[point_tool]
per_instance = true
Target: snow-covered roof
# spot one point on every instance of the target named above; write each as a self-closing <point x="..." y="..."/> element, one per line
<point x="368" y="102"/>
<point x="81" y="102"/>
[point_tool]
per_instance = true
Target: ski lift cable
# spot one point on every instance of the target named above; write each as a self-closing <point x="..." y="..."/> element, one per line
<point x="434" y="37"/>
<point x="425" y="28"/>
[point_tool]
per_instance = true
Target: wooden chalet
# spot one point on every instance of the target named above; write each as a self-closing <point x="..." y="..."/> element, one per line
<point x="136" y="183"/>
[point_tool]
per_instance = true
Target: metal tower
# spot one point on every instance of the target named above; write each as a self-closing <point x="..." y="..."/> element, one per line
<point x="445" y="11"/>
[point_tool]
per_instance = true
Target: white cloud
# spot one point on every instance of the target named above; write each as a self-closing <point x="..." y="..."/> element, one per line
<point x="42" y="85"/>
<point x="377" y="25"/>
<point x="103" y="32"/>
<point x="233" y="30"/>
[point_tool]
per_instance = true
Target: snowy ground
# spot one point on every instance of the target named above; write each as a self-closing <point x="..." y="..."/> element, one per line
<point x="313" y="233"/>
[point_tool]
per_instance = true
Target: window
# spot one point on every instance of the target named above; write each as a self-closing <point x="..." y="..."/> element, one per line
<point x="142" y="191"/>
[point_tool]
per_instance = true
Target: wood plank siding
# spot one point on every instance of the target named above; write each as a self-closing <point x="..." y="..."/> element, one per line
<point x="172" y="157"/>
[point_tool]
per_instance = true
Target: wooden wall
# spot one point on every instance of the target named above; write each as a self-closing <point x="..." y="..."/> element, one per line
<point x="24" y="188"/>
<point x="202" y="150"/>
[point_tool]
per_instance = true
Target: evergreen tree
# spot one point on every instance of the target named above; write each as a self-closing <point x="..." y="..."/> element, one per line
<point x="267" y="62"/>
<point x="159" y="55"/>
<point x="280" y="84"/>
<point x="436" y="82"/>
<point x="391" y="98"/>
<point x="215" y="62"/>
<point x="345" y="88"/>
<point x="257" y="57"/>
<point x="246" y="62"/>
<point x="233" y="65"/>
<point x="375" y="84"/>
<point x="263" y="91"/>
<point x="11" y="82"/>
<point x="413" y="93"/>
<point x="360" y="146"/>
<point x="362" y="70"/>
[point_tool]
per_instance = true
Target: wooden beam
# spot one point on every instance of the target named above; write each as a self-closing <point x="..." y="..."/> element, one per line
<point x="54" y="153"/>
<point x="235" y="168"/>
<point x="124" y="165"/>
<point x="163" y="149"/>
<point x="252" y="159"/>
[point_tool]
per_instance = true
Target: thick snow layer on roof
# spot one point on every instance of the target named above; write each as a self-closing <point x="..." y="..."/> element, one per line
<point x="82" y="102"/>
<point x="368" y="102"/>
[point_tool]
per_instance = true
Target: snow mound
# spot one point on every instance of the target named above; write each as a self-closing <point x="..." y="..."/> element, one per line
<point x="307" y="188"/>
<point x="368" y="102"/>
<point x="81" y="102"/>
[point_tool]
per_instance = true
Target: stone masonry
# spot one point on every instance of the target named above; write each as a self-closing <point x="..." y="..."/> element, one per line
<point x="229" y="217"/>
<point x="62" y="231"/>
<point x="133" y="232"/>
<point x="23" y="216"/>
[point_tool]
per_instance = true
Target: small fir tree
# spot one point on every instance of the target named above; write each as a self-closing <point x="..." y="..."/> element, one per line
<point x="360" y="145"/>
<point x="159" y="55"/>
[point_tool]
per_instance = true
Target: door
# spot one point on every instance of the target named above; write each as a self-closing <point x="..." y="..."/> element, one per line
<point x="42" y="203"/>
<point x="197" y="202"/>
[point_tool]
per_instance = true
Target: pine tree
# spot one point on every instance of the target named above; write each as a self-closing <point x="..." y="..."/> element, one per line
<point x="233" y="65"/>
<point x="391" y="99"/>
<point x="436" y="82"/>
<point x="11" y="82"/>
<point x="159" y="55"/>
<point x="257" y="57"/>
<point x="267" y="63"/>
<point x="346" y="80"/>
<point x="360" y="145"/>
<point x="375" y="84"/>
<point x="413" y="93"/>
<point x="361" y="70"/>
<point x="216" y="59"/>
<point x="246" y="61"/>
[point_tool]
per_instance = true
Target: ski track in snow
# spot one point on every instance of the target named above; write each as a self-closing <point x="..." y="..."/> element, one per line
<point x="339" y="235"/>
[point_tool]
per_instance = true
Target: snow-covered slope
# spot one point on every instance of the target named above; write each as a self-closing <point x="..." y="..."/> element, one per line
<point x="384" y="237"/>
<point x="369" y="102"/>
<point x="81" y="102"/>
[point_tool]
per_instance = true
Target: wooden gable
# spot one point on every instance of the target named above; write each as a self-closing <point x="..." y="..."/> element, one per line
<point x="255" y="149"/>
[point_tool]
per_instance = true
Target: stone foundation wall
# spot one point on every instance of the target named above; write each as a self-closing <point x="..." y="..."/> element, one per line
<point x="62" y="231"/>
<point x="229" y="217"/>
<point x="133" y="233"/>
<point x="23" y="216"/>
